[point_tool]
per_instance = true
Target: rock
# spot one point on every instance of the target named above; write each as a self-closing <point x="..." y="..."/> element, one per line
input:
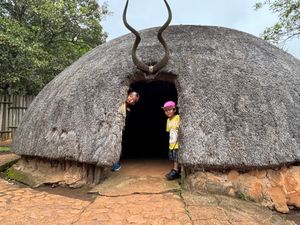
<point x="260" y="174"/>
<point x="126" y="185"/>
<point x="35" y="171"/>
<point x="256" y="191"/>
<point x="7" y="160"/>
<point x="279" y="199"/>
<point x="275" y="177"/>
<point x="278" y="188"/>
<point x="23" y="177"/>
<point x="207" y="208"/>
<point x="233" y="175"/>
<point x="294" y="199"/>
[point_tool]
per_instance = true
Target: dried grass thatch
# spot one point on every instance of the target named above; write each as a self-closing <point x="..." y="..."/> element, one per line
<point x="239" y="100"/>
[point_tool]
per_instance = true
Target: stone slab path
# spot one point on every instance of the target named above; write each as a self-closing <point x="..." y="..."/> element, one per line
<point x="159" y="202"/>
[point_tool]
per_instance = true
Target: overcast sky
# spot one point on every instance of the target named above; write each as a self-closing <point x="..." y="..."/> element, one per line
<point x="236" y="14"/>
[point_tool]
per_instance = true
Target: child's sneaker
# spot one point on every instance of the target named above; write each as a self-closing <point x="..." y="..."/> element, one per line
<point x="171" y="171"/>
<point x="168" y="173"/>
<point x="173" y="175"/>
<point x="116" y="167"/>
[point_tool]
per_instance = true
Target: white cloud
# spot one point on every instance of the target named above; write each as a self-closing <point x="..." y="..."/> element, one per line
<point x="234" y="14"/>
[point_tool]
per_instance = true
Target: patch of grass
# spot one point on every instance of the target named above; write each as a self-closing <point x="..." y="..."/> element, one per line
<point x="22" y="177"/>
<point x="178" y="192"/>
<point x="14" y="174"/>
<point x="4" y="148"/>
<point x="243" y="197"/>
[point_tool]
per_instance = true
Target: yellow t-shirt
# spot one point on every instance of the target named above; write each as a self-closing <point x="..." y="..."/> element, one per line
<point x="172" y="128"/>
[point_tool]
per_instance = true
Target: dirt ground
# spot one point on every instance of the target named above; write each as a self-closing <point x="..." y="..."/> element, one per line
<point x="137" y="194"/>
<point x="7" y="142"/>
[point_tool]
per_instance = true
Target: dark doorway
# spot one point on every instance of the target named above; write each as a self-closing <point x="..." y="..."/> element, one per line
<point x="145" y="133"/>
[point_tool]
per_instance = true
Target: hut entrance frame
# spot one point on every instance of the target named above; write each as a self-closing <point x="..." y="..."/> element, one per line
<point x="145" y="133"/>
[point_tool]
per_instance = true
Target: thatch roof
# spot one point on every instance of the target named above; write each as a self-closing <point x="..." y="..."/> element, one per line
<point x="239" y="100"/>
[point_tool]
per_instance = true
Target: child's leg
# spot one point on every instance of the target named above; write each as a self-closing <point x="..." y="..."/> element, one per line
<point x="171" y="158"/>
<point x="174" y="173"/>
<point x="175" y="159"/>
<point x="176" y="166"/>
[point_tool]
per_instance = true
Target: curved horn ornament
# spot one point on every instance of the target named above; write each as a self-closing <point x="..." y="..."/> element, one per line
<point x="165" y="59"/>
<point x="141" y="65"/>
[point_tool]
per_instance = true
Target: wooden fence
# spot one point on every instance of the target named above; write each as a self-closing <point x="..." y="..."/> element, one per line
<point x="12" y="109"/>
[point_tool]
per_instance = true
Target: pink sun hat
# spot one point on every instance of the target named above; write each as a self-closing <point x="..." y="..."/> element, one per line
<point x="169" y="104"/>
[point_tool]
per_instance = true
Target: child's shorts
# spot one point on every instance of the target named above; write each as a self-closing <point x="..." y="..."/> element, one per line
<point x="173" y="155"/>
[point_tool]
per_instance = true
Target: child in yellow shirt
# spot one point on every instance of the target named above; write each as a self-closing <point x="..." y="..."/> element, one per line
<point x="173" y="123"/>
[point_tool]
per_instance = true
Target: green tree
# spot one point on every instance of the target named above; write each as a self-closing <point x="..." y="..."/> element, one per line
<point x="288" y="25"/>
<point x="39" y="38"/>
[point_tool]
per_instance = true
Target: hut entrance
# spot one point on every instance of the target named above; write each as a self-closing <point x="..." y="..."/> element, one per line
<point x="146" y="135"/>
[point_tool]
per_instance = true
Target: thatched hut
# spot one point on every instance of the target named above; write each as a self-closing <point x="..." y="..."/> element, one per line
<point x="239" y="100"/>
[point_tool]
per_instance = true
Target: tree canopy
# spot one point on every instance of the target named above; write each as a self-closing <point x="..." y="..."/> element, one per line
<point x="39" y="38"/>
<point x="288" y="25"/>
